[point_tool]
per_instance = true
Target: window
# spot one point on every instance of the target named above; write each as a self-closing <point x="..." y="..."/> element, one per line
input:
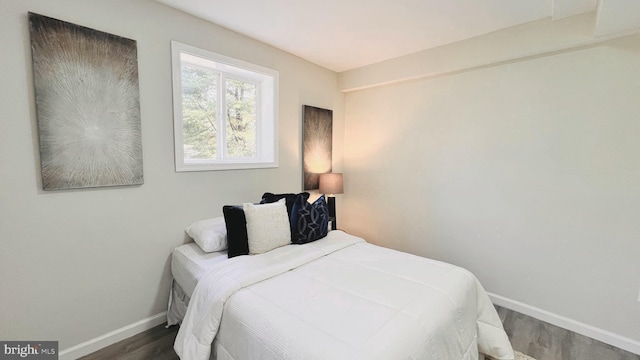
<point x="225" y="111"/>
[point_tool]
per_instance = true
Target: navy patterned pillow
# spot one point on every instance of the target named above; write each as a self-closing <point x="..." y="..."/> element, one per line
<point x="309" y="222"/>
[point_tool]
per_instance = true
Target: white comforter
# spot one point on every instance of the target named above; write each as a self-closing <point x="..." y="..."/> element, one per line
<point x="340" y="298"/>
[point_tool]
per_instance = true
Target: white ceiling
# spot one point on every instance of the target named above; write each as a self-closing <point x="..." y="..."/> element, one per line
<point x="346" y="34"/>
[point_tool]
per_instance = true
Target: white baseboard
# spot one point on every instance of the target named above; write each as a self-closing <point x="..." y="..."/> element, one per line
<point x="593" y="332"/>
<point x="112" y="337"/>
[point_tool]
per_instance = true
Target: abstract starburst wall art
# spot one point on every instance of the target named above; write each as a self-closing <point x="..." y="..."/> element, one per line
<point x="87" y="105"/>
<point x="317" y="135"/>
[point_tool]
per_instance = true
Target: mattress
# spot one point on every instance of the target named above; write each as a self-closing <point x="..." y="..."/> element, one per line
<point x="189" y="263"/>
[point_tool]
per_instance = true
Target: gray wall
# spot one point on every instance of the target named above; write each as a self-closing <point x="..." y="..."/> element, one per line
<point x="75" y="265"/>
<point x="526" y="172"/>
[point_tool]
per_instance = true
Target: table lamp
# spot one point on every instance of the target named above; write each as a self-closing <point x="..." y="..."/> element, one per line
<point x="331" y="184"/>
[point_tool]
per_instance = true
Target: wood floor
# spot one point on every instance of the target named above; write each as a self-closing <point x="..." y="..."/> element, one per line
<point x="156" y="344"/>
<point x="544" y="341"/>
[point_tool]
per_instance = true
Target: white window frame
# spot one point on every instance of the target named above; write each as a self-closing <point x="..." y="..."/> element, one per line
<point x="266" y="111"/>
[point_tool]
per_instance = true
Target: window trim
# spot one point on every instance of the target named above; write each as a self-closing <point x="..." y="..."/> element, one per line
<point x="266" y="111"/>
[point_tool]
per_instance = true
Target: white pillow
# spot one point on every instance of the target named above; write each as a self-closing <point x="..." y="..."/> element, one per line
<point x="209" y="234"/>
<point x="267" y="226"/>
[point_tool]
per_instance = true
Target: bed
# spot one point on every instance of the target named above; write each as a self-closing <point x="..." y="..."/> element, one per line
<point x="188" y="263"/>
<point x="335" y="298"/>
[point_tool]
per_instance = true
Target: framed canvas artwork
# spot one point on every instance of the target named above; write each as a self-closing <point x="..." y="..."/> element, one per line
<point x="87" y="105"/>
<point x="317" y="137"/>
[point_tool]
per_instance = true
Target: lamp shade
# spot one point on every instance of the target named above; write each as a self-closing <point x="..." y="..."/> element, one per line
<point x="331" y="183"/>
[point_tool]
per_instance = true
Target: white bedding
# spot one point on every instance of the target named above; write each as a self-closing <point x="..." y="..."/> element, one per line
<point x="340" y="298"/>
<point x="189" y="263"/>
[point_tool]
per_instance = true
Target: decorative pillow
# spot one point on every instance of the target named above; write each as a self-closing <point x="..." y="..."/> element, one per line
<point x="209" y="234"/>
<point x="267" y="226"/>
<point x="237" y="239"/>
<point x="309" y="222"/>
<point x="290" y="199"/>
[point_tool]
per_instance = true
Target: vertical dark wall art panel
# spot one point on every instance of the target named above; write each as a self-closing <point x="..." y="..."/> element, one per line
<point x="316" y="143"/>
<point x="87" y="105"/>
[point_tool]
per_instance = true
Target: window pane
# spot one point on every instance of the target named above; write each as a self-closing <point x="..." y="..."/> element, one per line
<point x="225" y="111"/>
<point x="199" y="99"/>
<point x="241" y="103"/>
